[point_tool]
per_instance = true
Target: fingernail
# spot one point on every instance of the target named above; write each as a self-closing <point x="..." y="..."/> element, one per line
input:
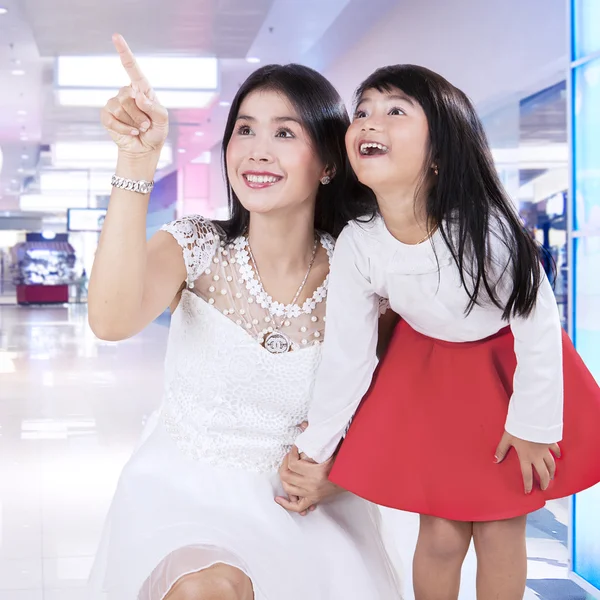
<point x="145" y="126"/>
<point x="496" y="459"/>
<point x="135" y="132"/>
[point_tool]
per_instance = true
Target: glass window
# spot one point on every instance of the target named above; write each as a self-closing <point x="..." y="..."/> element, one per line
<point x="586" y="28"/>
<point x="586" y="146"/>
<point x="587" y="301"/>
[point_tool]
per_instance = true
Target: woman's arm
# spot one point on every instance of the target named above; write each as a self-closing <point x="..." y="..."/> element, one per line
<point x="132" y="280"/>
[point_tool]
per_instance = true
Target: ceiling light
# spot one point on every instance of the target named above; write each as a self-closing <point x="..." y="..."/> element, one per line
<point x="3" y="10"/>
<point x="182" y="150"/>
<point x="165" y="73"/>
<point x="99" y="156"/>
<point x="224" y="103"/>
<point x="51" y="203"/>
<point x="22" y="113"/>
<point x="97" y="97"/>
<point x="25" y="156"/>
<point x="199" y="133"/>
<point x="18" y="72"/>
<point x="253" y="60"/>
<point x="72" y="182"/>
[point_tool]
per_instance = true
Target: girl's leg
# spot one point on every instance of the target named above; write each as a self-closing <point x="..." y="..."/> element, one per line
<point x="441" y="550"/>
<point x="501" y="559"/>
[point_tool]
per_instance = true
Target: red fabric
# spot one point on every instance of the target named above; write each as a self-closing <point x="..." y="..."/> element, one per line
<point x="425" y="435"/>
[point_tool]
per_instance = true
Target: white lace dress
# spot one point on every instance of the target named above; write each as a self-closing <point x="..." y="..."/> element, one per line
<point x="200" y="488"/>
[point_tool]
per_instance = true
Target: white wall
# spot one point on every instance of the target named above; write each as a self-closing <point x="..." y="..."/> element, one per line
<point x="217" y="189"/>
<point x="490" y="49"/>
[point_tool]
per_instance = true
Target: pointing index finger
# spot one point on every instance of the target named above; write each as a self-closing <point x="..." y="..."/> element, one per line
<point x="137" y="78"/>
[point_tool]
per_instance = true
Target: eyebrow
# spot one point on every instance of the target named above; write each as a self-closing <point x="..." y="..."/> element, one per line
<point x="401" y="97"/>
<point x="275" y="120"/>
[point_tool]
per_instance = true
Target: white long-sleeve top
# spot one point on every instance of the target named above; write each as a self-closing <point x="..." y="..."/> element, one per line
<point x="422" y="283"/>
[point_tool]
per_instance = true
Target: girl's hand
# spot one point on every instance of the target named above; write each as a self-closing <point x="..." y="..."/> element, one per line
<point x="531" y="456"/>
<point x="306" y="482"/>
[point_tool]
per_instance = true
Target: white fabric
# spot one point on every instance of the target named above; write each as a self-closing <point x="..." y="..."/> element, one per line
<point x="200" y="488"/>
<point x="422" y="283"/>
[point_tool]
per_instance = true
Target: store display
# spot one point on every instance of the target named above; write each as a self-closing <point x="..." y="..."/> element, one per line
<point x="43" y="269"/>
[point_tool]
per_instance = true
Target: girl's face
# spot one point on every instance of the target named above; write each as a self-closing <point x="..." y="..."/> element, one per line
<point x="388" y="141"/>
<point x="271" y="162"/>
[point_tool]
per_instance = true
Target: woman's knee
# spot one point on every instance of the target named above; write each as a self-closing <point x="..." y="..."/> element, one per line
<point x="220" y="582"/>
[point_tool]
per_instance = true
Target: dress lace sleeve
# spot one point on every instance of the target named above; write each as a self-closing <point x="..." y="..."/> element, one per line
<point x="199" y="240"/>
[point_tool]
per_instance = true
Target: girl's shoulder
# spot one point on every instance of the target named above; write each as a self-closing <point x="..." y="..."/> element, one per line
<point x="365" y="232"/>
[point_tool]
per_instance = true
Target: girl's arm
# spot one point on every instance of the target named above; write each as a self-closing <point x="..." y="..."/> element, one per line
<point x="349" y="351"/>
<point x="535" y="411"/>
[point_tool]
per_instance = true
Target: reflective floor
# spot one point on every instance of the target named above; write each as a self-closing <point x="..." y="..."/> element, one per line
<point x="71" y="411"/>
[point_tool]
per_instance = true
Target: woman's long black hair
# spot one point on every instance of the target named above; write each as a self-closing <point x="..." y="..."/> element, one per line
<point x="466" y="200"/>
<point x="325" y="120"/>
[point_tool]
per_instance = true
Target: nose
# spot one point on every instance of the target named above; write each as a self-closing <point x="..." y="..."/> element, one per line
<point x="371" y="123"/>
<point x="260" y="152"/>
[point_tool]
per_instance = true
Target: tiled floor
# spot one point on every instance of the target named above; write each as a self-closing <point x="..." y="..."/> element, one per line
<point x="71" y="410"/>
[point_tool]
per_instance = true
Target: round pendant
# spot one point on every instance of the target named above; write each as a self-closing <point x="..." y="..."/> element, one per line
<point x="277" y="343"/>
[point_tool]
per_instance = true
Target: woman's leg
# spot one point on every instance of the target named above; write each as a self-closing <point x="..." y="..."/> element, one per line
<point x="220" y="582"/>
<point x="441" y="550"/>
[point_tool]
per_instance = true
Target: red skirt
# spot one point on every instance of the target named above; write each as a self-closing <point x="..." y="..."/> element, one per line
<point x="424" y="437"/>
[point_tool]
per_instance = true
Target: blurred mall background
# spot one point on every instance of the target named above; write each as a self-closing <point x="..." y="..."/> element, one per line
<point x="72" y="407"/>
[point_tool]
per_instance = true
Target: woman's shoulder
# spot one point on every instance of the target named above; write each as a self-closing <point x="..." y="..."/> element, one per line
<point x="194" y="228"/>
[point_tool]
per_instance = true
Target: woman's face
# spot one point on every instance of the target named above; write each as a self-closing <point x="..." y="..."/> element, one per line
<point x="271" y="162"/>
<point x="388" y="141"/>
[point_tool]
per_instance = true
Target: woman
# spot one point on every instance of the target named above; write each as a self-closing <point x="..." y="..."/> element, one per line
<point x="194" y="515"/>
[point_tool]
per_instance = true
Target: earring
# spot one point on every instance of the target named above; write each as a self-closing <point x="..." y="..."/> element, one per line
<point x="325" y="180"/>
<point x="435" y="170"/>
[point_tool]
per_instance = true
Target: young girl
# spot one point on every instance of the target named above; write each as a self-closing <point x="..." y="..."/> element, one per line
<point x="478" y="363"/>
<point x="193" y="515"/>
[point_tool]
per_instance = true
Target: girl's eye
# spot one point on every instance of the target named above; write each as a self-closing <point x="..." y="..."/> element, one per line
<point x="244" y="130"/>
<point x="396" y="111"/>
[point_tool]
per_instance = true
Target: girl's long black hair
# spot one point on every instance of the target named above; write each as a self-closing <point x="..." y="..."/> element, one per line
<point x="325" y="119"/>
<point x="466" y="199"/>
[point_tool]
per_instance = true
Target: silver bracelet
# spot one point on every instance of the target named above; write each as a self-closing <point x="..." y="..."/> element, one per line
<point x="141" y="187"/>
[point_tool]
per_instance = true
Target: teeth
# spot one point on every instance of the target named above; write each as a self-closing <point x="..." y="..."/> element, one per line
<point x="364" y="147"/>
<point x="261" y="178"/>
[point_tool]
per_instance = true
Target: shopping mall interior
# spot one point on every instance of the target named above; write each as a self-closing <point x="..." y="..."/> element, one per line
<point x="72" y="407"/>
